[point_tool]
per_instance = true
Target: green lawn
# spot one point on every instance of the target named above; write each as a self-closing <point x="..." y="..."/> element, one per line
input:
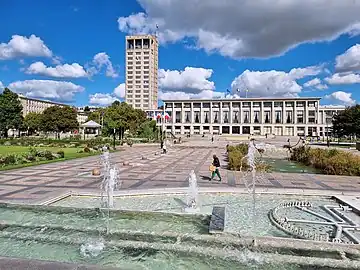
<point x="70" y="153"/>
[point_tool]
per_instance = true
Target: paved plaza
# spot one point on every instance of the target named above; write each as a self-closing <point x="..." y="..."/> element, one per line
<point x="149" y="170"/>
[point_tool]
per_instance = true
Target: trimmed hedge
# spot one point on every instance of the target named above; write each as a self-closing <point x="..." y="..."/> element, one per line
<point x="329" y="161"/>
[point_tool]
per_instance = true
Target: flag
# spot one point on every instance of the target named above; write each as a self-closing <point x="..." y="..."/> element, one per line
<point x="228" y="91"/>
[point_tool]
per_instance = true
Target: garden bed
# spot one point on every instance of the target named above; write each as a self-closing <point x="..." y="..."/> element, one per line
<point x="12" y="157"/>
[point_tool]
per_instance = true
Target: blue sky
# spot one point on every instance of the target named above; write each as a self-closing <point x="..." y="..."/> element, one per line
<point x="73" y="51"/>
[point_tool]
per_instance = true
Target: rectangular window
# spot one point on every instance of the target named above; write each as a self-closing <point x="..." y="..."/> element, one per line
<point x="178" y="117"/>
<point x="130" y="63"/>
<point x="289" y="117"/>
<point x="267" y="117"/>
<point x="197" y="117"/>
<point x="246" y="117"/>
<point x="216" y="117"/>
<point x="235" y="117"/>
<point x="256" y="117"/>
<point x="278" y="119"/>
<point x="300" y="117"/>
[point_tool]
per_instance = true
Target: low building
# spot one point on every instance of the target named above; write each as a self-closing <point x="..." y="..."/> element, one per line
<point x="39" y="105"/>
<point x="36" y="105"/>
<point x="256" y="116"/>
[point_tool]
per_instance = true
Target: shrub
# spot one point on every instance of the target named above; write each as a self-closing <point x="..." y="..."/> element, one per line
<point x="237" y="159"/>
<point x="87" y="150"/>
<point x="10" y="159"/>
<point x="48" y="155"/>
<point x="61" y="153"/>
<point x="328" y="161"/>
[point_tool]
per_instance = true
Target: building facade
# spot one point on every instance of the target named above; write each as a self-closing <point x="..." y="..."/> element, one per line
<point x="33" y="105"/>
<point x="257" y="116"/>
<point x="141" y="87"/>
<point x="36" y="105"/>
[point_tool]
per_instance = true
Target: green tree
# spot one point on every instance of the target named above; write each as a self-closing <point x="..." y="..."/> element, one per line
<point x="59" y="119"/>
<point x="10" y="112"/>
<point x="122" y="117"/>
<point x="347" y="122"/>
<point x="32" y="122"/>
<point x="148" y="130"/>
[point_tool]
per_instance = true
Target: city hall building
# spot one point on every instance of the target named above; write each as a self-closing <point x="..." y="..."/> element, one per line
<point x="245" y="116"/>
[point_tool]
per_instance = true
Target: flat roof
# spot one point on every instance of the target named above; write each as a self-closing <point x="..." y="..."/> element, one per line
<point x="42" y="100"/>
<point x="242" y="99"/>
<point x="141" y="36"/>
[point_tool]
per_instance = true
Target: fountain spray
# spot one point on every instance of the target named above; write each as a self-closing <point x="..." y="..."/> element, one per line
<point x="108" y="185"/>
<point x="192" y="195"/>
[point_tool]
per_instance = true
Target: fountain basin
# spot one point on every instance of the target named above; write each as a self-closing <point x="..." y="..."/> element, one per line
<point x="153" y="231"/>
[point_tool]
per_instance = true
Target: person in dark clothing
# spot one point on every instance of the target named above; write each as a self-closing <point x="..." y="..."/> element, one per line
<point x="212" y="139"/>
<point x="161" y="145"/>
<point x="216" y="164"/>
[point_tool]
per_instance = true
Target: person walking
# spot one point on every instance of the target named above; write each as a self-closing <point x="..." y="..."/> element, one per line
<point x="216" y="164"/>
<point x="164" y="148"/>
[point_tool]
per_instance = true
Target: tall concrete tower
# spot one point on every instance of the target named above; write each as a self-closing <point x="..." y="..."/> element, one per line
<point x="142" y="72"/>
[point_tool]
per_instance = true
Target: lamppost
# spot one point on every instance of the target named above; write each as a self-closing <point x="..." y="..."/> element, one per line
<point x="114" y="137"/>
<point x="163" y="122"/>
<point x="327" y="134"/>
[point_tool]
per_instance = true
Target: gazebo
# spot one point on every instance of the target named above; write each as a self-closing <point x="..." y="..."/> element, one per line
<point x="90" y="128"/>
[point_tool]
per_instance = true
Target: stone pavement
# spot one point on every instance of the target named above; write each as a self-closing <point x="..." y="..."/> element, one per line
<point x="37" y="183"/>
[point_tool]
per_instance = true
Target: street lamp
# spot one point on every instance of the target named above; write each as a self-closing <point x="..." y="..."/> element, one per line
<point x="114" y="137"/>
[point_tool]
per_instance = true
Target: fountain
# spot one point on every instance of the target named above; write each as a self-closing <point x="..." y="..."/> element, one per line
<point x="192" y="201"/>
<point x="109" y="182"/>
<point x="150" y="229"/>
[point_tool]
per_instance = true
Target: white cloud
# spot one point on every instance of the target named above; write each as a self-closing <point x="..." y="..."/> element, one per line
<point x="119" y="91"/>
<point x="102" y="99"/>
<point x="191" y="83"/>
<point x="60" y="71"/>
<point x="249" y="29"/>
<point x="350" y="60"/>
<point x="341" y="97"/>
<point x="321" y="86"/>
<point x="20" y="46"/>
<point x="312" y="82"/>
<point x="55" y="90"/>
<point x="2" y="86"/>
<point x="272" y="83"/>
<point x="316" y="83"/>
<point x="190" y="79"/>
<point x="99" y="61"/>
<point x="343" y="79"/>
